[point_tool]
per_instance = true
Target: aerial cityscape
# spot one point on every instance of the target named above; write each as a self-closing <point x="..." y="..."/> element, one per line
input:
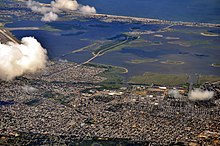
<point x="109" y="73"/>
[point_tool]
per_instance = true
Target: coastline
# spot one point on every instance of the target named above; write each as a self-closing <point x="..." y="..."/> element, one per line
<point x="117" y="18"/>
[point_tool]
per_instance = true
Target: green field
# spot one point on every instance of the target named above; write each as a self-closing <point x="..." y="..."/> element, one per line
<point x="209" y="34"/>
<point x="215" y="64"/>
<point x="49" y="28"/>
<point x="160" y="79"/>
<point x="208" y="78"/>
<point x="1" y="24"/>
<point x="190" y="43"/>
<point x="114" y="45"/>
<point x="112" y="74"/>
<point x="139" y="61"/>
<point x="172" y="62"/>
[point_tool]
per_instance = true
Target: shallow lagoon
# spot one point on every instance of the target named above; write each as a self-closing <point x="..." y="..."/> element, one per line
<point x="181" y="43"/>
<point x="197" y="52"/>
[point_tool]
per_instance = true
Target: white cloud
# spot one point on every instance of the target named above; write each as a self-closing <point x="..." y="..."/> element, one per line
<point x="50" y="12"/>
<point x="48" y="17"/>
<point x="18" y="59"/>
<point x="200" y="95"/>
<point x="87" y="10"/>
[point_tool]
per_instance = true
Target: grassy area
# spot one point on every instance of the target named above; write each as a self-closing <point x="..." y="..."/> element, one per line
<point x="141" y="43"/>
<point x="49" y="28"/>
<point x="112" y="75"/>
<point x="1" y="24"/>
<point x="139" y="61"/>
<point x="208" y="78"/>
<point x="159" y="79"/>
<point x="132" y="42"/>
<point x="115" y="45"/>
<point x="216" y="65"/>
<point x="190" y="43"/>
<point x="172" y="62"/>
<point x="186" y="31"/>
<point x="107" y="47"/>
<point x="209" y="34"/>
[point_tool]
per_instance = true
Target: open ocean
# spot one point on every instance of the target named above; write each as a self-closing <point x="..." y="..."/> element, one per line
<point x="177" y="10"/>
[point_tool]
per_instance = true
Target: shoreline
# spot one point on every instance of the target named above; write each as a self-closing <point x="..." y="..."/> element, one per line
<point x="130" y="19"/>
<point x="215" y="65"/>
<point x="133" y="18"/>
<point x="209" y="34"/>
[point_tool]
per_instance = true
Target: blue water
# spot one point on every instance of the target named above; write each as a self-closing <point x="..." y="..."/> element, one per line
<point x="149" y="53"/>
<point x="178" y="10"/>
<point x="75" y="34"/>
<point x="6" y="103"/>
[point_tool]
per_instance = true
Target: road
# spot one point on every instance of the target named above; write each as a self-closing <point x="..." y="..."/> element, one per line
<point x="102" y="51"/>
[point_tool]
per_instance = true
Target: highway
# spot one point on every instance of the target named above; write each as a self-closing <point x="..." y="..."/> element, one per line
<point x="102" y="51"/>
<point x="99" y="53"/>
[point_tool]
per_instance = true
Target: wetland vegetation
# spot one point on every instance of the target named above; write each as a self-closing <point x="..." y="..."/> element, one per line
<point x="139" y="61"/>
<point x="114" y="80"/>
<point x="172" y="62"/>
<point x="160" y="79"/>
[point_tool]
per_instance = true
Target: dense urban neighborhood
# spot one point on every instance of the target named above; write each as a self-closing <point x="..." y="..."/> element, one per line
<point x="67" y="101"/>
